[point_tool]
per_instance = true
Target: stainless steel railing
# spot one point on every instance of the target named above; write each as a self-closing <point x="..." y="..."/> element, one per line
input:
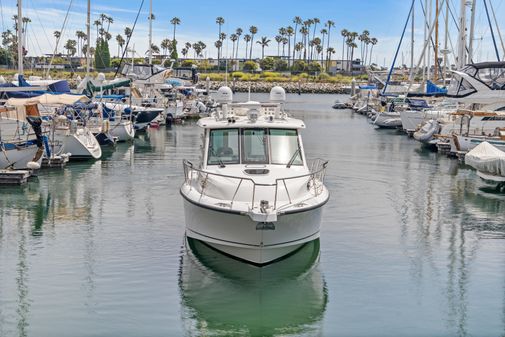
<point x="315" y="181"/>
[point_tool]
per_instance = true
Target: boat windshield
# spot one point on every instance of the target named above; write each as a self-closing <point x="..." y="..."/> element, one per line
<point x="257" y="146"/>
<point x="254" y="146"/>
<point x="223" y="147"/>
<point x="284" y="147"/>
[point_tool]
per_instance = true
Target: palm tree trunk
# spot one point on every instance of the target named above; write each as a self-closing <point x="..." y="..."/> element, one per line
<point x="251" y="48"/>
<point x="278" y="48"/>
<point x="343" y="45"/>
<point x="371" y="50"/>
<point x="294" y="43"/>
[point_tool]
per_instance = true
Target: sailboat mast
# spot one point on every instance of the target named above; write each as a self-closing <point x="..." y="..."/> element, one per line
<point x="435" y="75"/>
<point x="472" y="32"/>
<point x="462" y="35"/>
<point x="428" y="56"/>
<point x="150" y="31"/>
<point x="446" y="50"/>
<point x="88" y="37"/>
<point x="425" y="39"/>
<point x="412" y="39"/>
<point x="20" y="38"/>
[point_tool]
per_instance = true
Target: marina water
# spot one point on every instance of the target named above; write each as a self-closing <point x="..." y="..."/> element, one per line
<point x="412" y="244"/>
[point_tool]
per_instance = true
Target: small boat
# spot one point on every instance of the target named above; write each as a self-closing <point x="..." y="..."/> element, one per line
<point x="488" y="161"/>
<point x="387" y="120"/>
<point x="254" y="196"/>
<point x="339" y="105"/>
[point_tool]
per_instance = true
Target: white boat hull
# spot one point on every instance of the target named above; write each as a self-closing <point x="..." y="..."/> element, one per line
<point x="255" y="242"/>
<point x="80" y="145"/>
<point x="388" y="120"/>
<point x="19" y="158"/>
<point x="122" y="130"/>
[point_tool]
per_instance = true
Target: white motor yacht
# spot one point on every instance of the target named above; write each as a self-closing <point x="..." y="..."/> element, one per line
<point x="253" y="196"/>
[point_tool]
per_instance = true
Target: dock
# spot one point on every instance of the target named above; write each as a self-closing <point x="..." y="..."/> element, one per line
<point x="14" y="177"/>
<point x="55" y="162"/>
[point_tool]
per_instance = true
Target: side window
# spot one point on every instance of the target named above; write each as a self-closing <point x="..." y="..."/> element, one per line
<point x="223" y="147"/>
<point x="284" y="147"/>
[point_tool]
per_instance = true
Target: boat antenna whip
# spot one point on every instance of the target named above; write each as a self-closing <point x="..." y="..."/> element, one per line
<point x="129" y="38"/>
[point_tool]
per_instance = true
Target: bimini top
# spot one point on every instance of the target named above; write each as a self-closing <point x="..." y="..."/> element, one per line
<point x="483" y="65"/>
<point x="250" y="114"/>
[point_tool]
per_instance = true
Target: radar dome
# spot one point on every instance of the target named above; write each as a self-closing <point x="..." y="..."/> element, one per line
<point x="277" y="94"/>
<point x="224" y="95"/>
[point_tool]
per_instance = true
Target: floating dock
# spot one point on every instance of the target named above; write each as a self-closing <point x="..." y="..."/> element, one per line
<point x="14" y="177"/>
<point x="55" y="162"/>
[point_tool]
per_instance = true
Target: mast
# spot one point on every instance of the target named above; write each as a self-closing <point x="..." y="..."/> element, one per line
<point x="446" y="50"/>
<point x="472" y="32"/>
<point x="428" y="56"/>
<point x="20" y="38"/>
<point x="435" y="75"/>
<point x="412" y="40"/>
<point x="462" y="35"/>
<point x="425" y="39"/>
<point x="88" y="36"/>
<point x="150" y="32"/>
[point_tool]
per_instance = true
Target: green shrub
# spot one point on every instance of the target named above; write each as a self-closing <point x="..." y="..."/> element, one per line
<point x="250" y="66"/>
<point x="267" y="63"/>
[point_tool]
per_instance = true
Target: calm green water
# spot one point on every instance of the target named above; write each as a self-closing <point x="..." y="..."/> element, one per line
<point x="412" y="244"/>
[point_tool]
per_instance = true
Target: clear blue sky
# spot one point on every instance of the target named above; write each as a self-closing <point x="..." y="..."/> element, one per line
<point x="383" y="18"/>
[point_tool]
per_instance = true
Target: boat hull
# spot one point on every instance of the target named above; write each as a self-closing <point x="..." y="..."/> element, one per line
<point x="255" y="242"/>
<point x="122" y="130"/>
<point x="19" y="157"/>
<point x="82" y="145"/>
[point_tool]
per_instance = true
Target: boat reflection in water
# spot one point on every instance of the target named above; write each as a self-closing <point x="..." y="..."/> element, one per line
<point x="222" y="296"/>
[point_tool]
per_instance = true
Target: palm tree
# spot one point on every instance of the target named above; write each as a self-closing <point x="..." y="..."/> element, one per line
<point x="352" y="45"/>
<point x="218" y="44"/>
<point x="165" y="44"/>
<point x="109" y="21"/>
<point x="175" y="21"/>
<point x="247" y="38"/>
<point x="80" y="38"/>
<point x="329" y="51"/>
<point x="154" y="48"/>
<point x="297" y="21"/>
<point x="323" y="33"/>
<point x="253" y="30"/>
<point x="220" y="22"/>
<point x="184" y="51"/>
<point x="264" y="43"/>
<point x="202" y="47"/>
<point x="328" y="24"/>
<point x="233" y="38"/>
<point x="98" y="24"/>
<point x="128" y="32"/>
<point x="284" y="42"/>
<point x="70" y="47"/>
<point x="57" y="35"/>
<point x="238" y="32"/>
<point x="299" y="46"/>
<point x="120" y="43"/>
<point x="304" y="31"/>
<point x="373" y="41"/>
<point x="289" y="32"/>
<point x="344" y="32"/>
<point x="315" y="21"/>
<point x="278" y="39"/>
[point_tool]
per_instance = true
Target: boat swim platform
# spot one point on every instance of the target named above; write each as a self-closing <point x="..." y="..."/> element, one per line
<point x="55" y="162"/>
<point x="14" y="177"/>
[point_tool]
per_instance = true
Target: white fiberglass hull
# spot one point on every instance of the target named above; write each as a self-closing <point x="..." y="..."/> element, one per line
<point x="19" y="157"/>
<point x="255" y="242"/>
<point x="122" y="130"/>
<point x="81" y="144"/>
<point x="468" y="143"/>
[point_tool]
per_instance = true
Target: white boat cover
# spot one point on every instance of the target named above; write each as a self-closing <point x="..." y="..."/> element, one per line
<point x="47" y="99"/>
<point x="487" y="158"/>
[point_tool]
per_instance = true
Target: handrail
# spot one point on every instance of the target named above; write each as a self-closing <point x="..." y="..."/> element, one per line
<point x="317" y="171"/>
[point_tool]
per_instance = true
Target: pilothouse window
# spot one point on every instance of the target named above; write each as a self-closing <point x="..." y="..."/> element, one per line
<point x="223" y="147"/>
<point x="284" y="147"/>
<point x="254" y="146"/>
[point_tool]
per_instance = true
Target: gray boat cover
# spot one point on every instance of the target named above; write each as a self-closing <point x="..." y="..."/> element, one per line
<point x="487" y="159"/>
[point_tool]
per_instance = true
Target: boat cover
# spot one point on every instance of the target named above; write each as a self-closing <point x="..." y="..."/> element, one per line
<point x="47" y="99"/>
<point x="487" y="159"/>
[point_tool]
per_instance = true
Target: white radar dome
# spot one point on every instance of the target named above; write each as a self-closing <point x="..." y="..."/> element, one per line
<point x="277" y="94"/>
<point x="224" y="95"/>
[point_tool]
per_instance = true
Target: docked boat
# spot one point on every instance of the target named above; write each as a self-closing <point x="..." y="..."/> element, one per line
<point x="20" y="148"/>
<point x="253" y="196"/>
<point x="339" y="105"/>
<point x="488" y="161"/>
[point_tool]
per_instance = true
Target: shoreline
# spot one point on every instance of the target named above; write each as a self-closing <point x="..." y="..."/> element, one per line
<point x="290" y="87"/>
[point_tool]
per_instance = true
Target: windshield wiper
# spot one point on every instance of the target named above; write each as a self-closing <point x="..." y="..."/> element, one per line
<point x="293" y="158"/>
<point x="221" y="164"/>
